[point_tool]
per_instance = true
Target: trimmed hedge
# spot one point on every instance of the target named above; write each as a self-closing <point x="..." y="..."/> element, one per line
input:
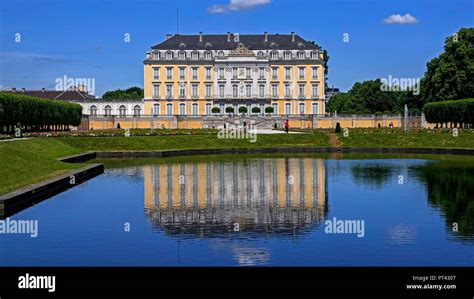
<point x="456" y="111"/>
<point x="37" y="112"/>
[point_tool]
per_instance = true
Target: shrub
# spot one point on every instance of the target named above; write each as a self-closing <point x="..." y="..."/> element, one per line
<point x="215" y="110"/>
<point x="338" y="128"/>
<point x="456" y="111"/>
<point x="229" y="110"/>
<point x="255" y="110"/>
<point x="243" y="109"/>
<point x="378" y="113"/>
<point x="387" y="112"/>
<point x="37" y="112"/>
<point x="269" y="110"/>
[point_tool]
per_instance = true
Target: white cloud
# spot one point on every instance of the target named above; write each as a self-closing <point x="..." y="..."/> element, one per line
<point x="399" y="19"/>
<point x="235" y="5"/>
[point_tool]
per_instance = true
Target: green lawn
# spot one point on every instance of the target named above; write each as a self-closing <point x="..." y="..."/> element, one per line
<point x="24" y="162"/>
<point x="416" y="138"/>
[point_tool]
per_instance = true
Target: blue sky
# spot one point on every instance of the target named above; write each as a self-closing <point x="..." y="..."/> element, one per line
<point x="85" y="39"/>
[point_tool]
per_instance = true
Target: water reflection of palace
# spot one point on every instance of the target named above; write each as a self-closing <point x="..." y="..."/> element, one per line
<point x="275" y="196"/>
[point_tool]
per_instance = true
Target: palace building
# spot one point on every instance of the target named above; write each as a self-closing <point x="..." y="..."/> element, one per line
<point x="192" y="74"/>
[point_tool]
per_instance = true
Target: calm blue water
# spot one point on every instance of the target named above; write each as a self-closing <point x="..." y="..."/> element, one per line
<point x="256" y="211"/>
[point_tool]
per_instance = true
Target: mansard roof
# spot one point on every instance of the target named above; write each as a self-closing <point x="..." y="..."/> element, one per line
<point x="220" y="42"/>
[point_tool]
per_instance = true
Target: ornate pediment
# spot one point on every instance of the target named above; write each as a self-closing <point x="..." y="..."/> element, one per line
<point x="241" y="50"/>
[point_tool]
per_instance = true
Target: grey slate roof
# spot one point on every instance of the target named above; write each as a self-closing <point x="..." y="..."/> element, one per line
<point x="219" y="42"/>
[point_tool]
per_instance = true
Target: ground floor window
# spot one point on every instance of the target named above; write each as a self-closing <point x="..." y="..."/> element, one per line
<point x="156" y="109"/>
<point x="182" y="109"/>
<point x="122" y="111"/>
<point x="275" y="108"/>
<point x="195" y="109"/>
<point x="208" y="109"/>
<point x="302" y="108"/>
<point x="315" y="108"/>
<point x="93" y="110"/>
<point x="137" y="110"/>
<point x="169" y="109"/>
<point x="288" y="108"/>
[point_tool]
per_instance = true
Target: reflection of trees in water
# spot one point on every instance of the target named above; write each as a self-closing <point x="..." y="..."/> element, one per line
<point x="450" y="187"/>
<point x="375" y="175"/>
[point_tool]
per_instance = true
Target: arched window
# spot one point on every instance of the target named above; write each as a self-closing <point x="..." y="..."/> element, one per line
<point x="122" y="111"/>
<point x="108" y="110"/>
<point x="221" y="53"/>
<point x="137" y="110"/>
<point x="93" y="110"/>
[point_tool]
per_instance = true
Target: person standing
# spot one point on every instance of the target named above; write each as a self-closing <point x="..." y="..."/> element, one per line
<point x="287" y="126"/>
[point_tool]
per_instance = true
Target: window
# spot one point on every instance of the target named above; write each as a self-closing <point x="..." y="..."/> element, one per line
<point x="169" y="73"/>
<point x="156" y="90"/>
<point x="169" y="109"/>
<point x="195" y="108"/>
<point x="169" y="90"/>
<point x="208" y="109"/>
<point x="221" y="73"/>
<point x="248" y="71"/>
<point x="195" y="73"/>
<point x="274" y="55"/>
<point x="288" y="108"/>
<point x="274" y="90"/>
<point x="314" y="89"/>
<point x="275" y="108"/>
<point x="287" y="55"/>
<point x="314" y="55"/>
<point x="235" y="92"/>
<point x="93" y="110"/>
<point x="194" y="90"/>
<point x="287" y="90"/>
<point x="301" y="72"/>
<point x="208" y="90"/>
<point x="182" y="90"/>
<point x="156" y="73"/>
<point x="274" y="73"/>
<point x="182" y="109"/>
<point x="208" y="73"/>
<point x="260" y="53"/>
<point x="137" y="110"/>
<point x="208" y="55"/>
<point x="261" y="90"/>
<point x="287" y="72"/>
<point x="302" y="108"/>
<point x="122" y="111"/>
<point x="301" y="55"/>
<point x="221" y="53"/>
<point x="301" y="92"/>
<point x="234" y="73"/>
<point x="261" y="73"/>
<point x="169" y="55"/>
<point x="181" y="73"/>
<point x="156" y="55"/>
<point x="315" y="72"/>
<point x="248" y="90"/>
<point x="182" y="55"/>
<point x="221" y="91"/>
<point x="315" y="108"/>
<point x="108" y="110"/>
<point x="195" y="55"/>
<point x="156" y="109"/>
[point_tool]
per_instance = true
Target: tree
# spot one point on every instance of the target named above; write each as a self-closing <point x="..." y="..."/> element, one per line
<point x="449" y="76"/>
<point x="229" y="110"/>
<point x="132" y="93"/>
<point x="269" y="110"/>
<point x="256" y="110"/>
<point x="215" y="110"/>
<point x="243" y="109"/>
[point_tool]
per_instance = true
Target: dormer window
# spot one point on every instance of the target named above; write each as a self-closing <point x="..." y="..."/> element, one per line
<point x="208" y="55"/>
<point x="274" y="55"/>
<point x="314" y="55"/>
<point x="156" y="55"/>
<point x="260" y="53"/>
<point x="221" y="53"/>
<point x="169" y="55"/>
<point x="287" y="55"/>
<point x="182" y="55"/>
<point x="301" y="55"/>
<point x="195" y="55"/>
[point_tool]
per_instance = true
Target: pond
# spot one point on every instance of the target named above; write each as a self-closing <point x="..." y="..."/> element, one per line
<point x="275" y="210"/>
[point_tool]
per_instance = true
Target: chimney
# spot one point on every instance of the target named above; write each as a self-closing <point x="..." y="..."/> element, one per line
<point x="292" y="36"/>
<point x="43" y="89"/>
<point x="200" y="36"/>
<point x="228" y="36"/>
<point x="266" y="36"/>
<point x="168" y="36"/>
<point x="13" y="89"/>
